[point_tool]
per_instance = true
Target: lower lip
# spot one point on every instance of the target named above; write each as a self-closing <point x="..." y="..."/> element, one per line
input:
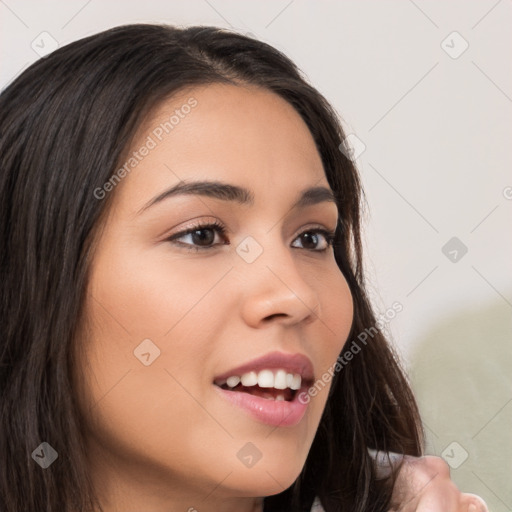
<point x="278" y="413"/>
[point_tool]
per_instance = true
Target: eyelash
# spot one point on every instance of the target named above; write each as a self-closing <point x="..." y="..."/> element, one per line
<point x="329" y="236"/>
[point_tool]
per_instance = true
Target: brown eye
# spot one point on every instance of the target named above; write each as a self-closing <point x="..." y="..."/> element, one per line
<point x="200" y="237"/>
<point x="203" y="236"/>
<point x="311" y="238"/>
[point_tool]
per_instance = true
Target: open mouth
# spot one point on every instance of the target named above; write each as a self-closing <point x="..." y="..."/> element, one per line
<point x="271" y="396"/>
<point x="286" y="394"/>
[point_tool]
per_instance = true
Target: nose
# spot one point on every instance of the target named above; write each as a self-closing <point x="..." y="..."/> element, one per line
<point x="275" y="291"/>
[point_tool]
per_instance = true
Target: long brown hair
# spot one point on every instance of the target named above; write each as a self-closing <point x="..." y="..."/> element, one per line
<point x="64" y="124"/>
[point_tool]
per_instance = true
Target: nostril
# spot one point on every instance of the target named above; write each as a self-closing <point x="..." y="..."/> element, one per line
<point x="276" y="314"/>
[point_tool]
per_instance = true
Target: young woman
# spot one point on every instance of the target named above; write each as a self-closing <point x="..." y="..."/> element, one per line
<point x="183" y="296"/>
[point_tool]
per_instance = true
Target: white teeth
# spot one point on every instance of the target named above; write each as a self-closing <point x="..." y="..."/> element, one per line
<point x="249" y="379"/>
<point x="266" y="379"/>
<point x="278" y="398"/>
<point x="278" y="379"/>
<point x="296" y="382"/>
<point x="233" y="381"/>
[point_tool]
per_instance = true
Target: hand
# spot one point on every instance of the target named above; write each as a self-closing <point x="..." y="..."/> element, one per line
<point x="424" y="485"/>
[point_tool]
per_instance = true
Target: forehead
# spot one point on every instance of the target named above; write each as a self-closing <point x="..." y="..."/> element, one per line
<point x="239" y="134"/>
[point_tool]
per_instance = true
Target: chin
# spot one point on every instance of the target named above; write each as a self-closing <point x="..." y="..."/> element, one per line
<point x="264" y="479"/>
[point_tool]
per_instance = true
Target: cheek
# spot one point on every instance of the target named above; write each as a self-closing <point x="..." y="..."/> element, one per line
<point x="335" y="322"/>
<point x="148" y="293"/>
<point x="341" y="310"/>
<point x="143" y="316"/>
<point x="337" y="312"/>
<point x="150" y="329"/>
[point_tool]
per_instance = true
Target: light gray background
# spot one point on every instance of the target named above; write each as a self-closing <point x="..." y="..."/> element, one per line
<point x="437" y="130"/>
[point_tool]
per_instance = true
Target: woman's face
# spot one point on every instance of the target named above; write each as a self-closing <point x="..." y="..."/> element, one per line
<point x="167" y="317"/>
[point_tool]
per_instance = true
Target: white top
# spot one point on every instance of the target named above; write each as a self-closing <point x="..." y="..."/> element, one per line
<point x="317" y="507"/>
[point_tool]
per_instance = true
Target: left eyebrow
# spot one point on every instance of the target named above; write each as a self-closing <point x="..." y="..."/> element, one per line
<point x="241" y="195"/>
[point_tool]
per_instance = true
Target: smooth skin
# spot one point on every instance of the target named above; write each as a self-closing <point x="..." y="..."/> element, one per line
<point x="160" y="438"/>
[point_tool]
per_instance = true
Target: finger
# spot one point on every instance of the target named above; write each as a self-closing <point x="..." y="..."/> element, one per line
<point x="473" y="503"/>
<point x="429" y="488"/>
<point x="440" y="498"/>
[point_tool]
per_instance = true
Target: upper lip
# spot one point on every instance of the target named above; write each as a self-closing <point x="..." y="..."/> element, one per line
<point x="292" y="363"/>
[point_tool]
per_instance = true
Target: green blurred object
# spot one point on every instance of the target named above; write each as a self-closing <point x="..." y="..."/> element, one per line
<point x="461" y="372"/>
